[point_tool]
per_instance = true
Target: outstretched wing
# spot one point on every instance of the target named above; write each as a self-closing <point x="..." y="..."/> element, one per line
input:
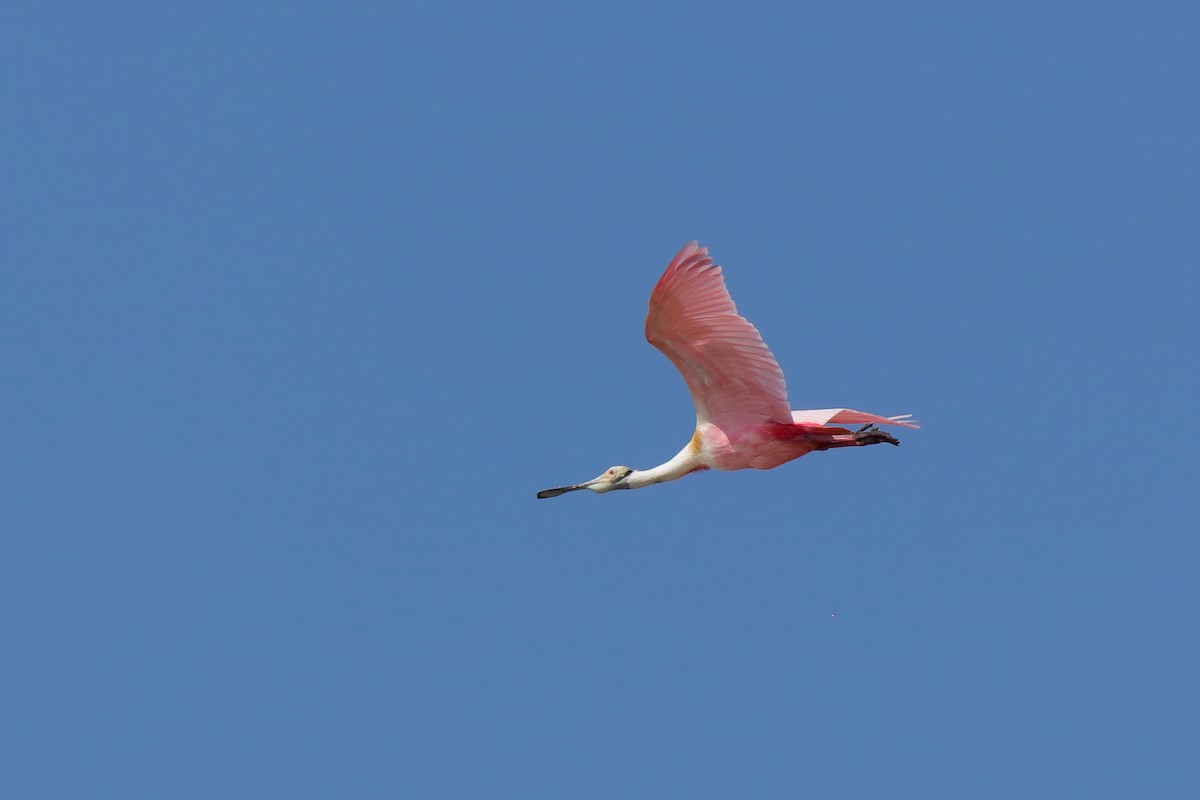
<point x="735" y="382"/>
<point x="848" y="416"/>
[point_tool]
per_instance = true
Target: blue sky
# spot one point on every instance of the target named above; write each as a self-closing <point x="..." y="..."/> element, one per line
<point x="302" y="303"/>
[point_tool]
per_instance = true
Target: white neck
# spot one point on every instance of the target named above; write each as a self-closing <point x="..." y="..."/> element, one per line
<point x="685" y="461"/>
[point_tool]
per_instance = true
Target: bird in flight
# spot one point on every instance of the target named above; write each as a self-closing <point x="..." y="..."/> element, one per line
<point x="743" y="419"/>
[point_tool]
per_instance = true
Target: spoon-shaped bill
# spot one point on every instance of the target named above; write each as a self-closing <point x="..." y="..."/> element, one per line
<point x="542" y="495"/>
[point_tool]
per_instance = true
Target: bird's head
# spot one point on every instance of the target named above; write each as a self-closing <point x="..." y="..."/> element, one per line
<point x="611" y="478"/>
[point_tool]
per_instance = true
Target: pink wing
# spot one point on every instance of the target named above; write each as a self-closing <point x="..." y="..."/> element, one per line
<point x="735" y="382"/>
<point x="848" y="416"/>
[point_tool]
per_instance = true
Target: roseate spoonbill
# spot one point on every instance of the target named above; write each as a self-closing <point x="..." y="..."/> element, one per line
<point x="742" y="415"/>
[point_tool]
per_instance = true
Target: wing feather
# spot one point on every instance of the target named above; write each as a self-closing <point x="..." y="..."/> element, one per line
<point x="848" y="416"/>
<point x="735" y="382"/>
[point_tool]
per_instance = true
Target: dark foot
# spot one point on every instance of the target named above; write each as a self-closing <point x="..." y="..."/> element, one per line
<point x="871" y="434"/>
